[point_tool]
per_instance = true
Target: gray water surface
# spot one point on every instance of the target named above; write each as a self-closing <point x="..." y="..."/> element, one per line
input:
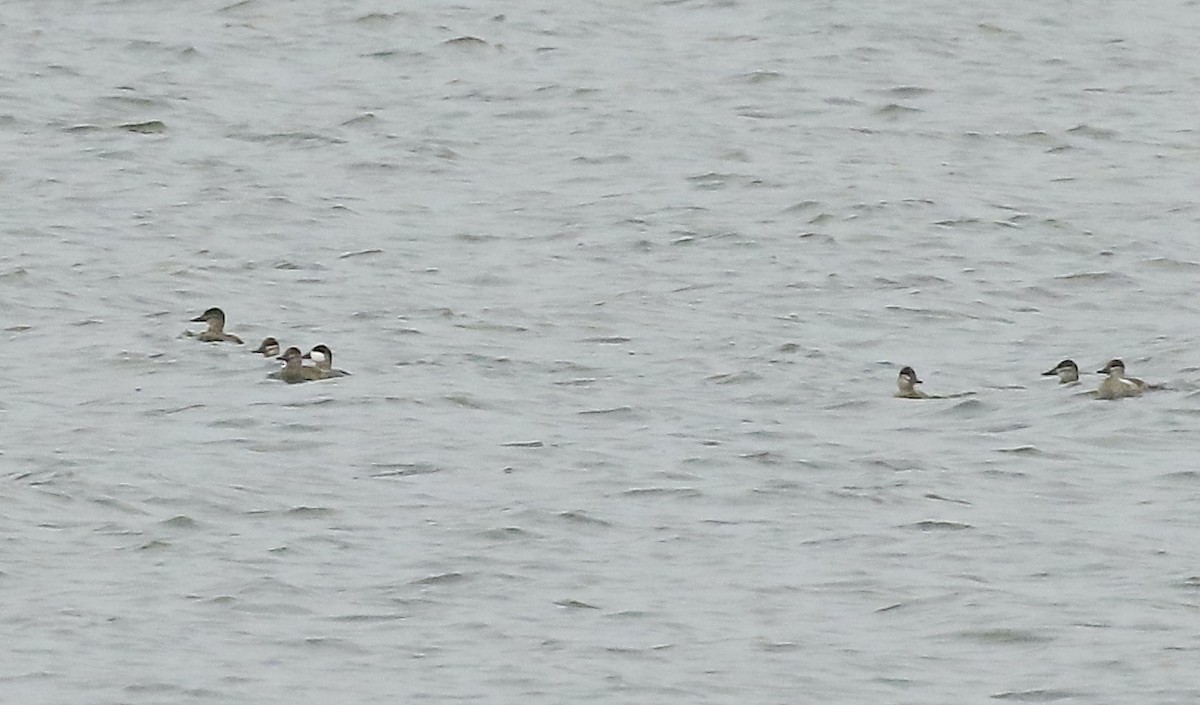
<point x="624" y="288"/>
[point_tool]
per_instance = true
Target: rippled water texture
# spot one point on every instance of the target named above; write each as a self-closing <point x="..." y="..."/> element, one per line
<point x="624" y="288"/>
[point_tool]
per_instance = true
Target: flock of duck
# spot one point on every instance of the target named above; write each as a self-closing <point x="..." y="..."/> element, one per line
<point x="1115" y="386"/>
<point x="294" y="370"/>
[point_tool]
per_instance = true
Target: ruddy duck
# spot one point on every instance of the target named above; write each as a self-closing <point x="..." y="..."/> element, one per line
<point x="906" y="383"/>
<point x="1066" y="370"/>
<point x="294" y="370"/>
<point x="215" y="318"/>
<point x="322" y="356"/>
<point x="269" y="347"/>
<point x="1117" y="385"/>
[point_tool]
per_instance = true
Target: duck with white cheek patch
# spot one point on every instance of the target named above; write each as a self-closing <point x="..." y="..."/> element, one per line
<point x="322" y="357"/>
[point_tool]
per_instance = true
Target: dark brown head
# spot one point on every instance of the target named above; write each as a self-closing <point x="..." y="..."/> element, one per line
<point x="290" y="354"/>
<point x="212" y="314"/>
<point x="269" y="347"/>
<point x="1066" y="370"/>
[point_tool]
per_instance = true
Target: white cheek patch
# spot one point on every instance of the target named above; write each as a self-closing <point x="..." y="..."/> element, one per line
<point x="316" y="356"/>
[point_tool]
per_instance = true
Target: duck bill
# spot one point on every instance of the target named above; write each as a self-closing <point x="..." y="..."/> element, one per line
<point x="199" y="319"/>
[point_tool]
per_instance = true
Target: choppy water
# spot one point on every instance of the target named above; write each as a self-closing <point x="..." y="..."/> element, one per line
<point x="624" y="288"/>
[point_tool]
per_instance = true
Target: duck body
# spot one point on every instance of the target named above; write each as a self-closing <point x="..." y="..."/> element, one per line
<point x="294" y="370"/>
<point x="906" y="385"/>
<point x="322" y="357"/>
<point x="210" y="336"/>
<point x="1116" y="385"/>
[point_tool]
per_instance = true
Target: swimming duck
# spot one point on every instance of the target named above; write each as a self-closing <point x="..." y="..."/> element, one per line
<point x="294" y="369"/>
<point x="269" y="347"/>
<point x="1066" y="370"/>
<point x="215" y="318"/>
<point x="906" y="383"/>
<point x="1117" y="385"/>
<point x="322" y="356"/>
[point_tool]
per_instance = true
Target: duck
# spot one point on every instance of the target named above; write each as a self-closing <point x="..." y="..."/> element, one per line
<point x="906" y="384"/>
<point x="269" y="347"/>
<point x="1067" y="371"/>
<point x="1117" y="385"/>
<point x="294" y="370"/>
<point x="215" y="318"/>
<point x="322" y="357"/>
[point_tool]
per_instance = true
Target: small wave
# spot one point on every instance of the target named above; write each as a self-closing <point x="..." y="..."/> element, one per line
<point x="466" y="42"/>
<point x="1171" y="263"/>
<point x="295" y="137"/>
<point x="662" y="491"/>
<point x="734" y="377"/>
<point x="896" y="111"/>
<point x="581" y="517"/>
<point x="802" y="206"/>
<point x="606" y="159"/>
<point x="758" y="77"/>
<point x="360" y="253"/>
<point x="712" y="181"/>
<point x="934" y="525"/>
<point x="940" y="498"/>
<point x="909" y="91"/>
<point x="1099" y="133"/>
<point x="1183" y="475"/>
<point x="576" y="605"/>
<point x="611" y="411"/>
<point x="506" y="533"/>
<point x="402" y="469"/>
<point x="465" y="401"/>
<point x="1036" y="696"/>
<point x="969" y="407"/>
<point x="1102" y="277"/>
<point x="149" y="127"/>
<point x="306" y="511"/>
<point x="1022" y="450"/>
<point x="440" y="579"/>
<point x="173" y="410"/>
<point x="576" y="382"/>
<point x="1004" y="636"/>
<point x="378" y="18"/>
<point x="958" y="222"/>
<point x="180" y="522"/>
